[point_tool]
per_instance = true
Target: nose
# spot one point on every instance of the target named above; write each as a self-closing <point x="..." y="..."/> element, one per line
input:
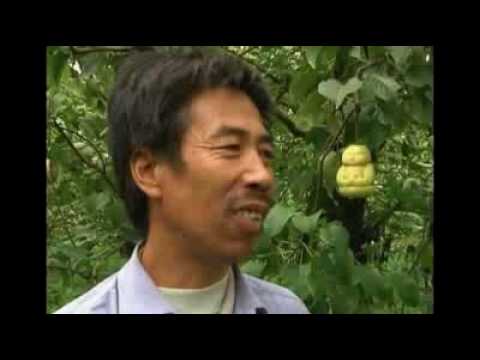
<point x="259" y="174"/>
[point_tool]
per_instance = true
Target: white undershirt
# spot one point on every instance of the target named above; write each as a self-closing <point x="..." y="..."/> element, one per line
<point x="217" y="298"/>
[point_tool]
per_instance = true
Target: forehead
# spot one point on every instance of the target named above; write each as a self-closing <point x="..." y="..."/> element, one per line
<point x="216" y="109"/>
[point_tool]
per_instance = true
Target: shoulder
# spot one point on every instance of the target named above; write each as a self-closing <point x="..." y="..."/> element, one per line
<point x="278" y="298"/>
<point x="101" y="299"/>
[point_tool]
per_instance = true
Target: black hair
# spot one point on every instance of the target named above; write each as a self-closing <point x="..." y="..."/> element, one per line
<point x="146" y="109"/>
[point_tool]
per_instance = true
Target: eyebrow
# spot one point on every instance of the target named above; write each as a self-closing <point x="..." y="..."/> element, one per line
<point x="239" y="132"/>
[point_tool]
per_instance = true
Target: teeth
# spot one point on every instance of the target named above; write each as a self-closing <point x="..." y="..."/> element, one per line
<point x="251" y="215"/>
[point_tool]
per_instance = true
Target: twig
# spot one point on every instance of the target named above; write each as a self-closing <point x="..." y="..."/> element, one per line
<point x="249" y="49"/>
<point x="425" y="241"/>
<point x="85" y="161"/>
<point x="89" y="143"/>
<point x="365" y="48"/>
<point x="108" y="253"/>
<point x="306" y="248"/>
<point x="61" y="268"/>
<point x="362" y="68"/>
<point x="386" y="215"/>
<point x="328" y="145"/>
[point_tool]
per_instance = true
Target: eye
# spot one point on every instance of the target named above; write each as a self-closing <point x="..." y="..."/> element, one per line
<point x="268" y="154"/>
<point x="231" y="147"/>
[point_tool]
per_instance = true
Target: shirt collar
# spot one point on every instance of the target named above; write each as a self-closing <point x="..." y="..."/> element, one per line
<point x="137" y="293"/>
<point x="246" y="300"/>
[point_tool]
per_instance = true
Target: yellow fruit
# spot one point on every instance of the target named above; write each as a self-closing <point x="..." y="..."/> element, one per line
<point x="356" y="175"/>
<point x="361" y="175"/>
<point x="356" y="155"/>
<point x="354" y="192"/>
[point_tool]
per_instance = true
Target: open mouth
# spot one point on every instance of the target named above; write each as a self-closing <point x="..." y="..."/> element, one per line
<point x="249" y="221"/>
<point x="251" y="215"/>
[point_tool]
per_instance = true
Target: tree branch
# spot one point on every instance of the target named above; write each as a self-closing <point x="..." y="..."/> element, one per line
<point x="85" y="161"/>
<point x="288" y="123"/>
<point x="92" y="49"/>
<point x="258" y="67"/>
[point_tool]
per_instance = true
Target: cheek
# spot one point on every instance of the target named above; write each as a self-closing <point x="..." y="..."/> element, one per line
<point x="211" y="182"/>
<point x="208" y="187"/>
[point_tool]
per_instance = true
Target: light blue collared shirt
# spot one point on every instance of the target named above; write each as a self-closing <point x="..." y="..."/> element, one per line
<point x="132" y="291"/>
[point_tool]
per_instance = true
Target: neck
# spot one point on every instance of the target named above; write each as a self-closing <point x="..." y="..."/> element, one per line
<point x="169" y="266"/>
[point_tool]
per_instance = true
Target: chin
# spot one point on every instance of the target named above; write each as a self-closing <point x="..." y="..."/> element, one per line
<point x="238" y="251"/>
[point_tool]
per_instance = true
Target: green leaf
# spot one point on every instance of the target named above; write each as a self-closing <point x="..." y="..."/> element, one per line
<point x="421" y="110"/>
<point x="97" y="202"/>
<point x="414" y="201"/>
<point x="318" y="135"/>
<point x="344" y="265"/>
<point x="376" y="52"/>
<point x="366" y="94"/>
<point x="303" y="83"/>
<point x="276" y="219"/>
<point x="383" y="87"/>
<point x="352" y="86"/>
<point x="88" y="128"/>
<point x="429" y="95"/>
<point x="329" y="89"/>
<point x="89" y="63"/>
<point x="339" y="235"/>
<point x="420" y="75"/>
<point x="323" y="263"/>
<point x="428" y="301"/>
<point x="74" y="252"/>
<point x="326" y="57"/>
<point x="405" y="288"/>
<point x="311" y="113"/>
<point x="301" y="182"/>
<point x="296" y="278"/>
<point x="371" y="281"/>
<point x="400" y="54"/>
<point x="306" y="224"/>
<point x="320" y="306"/>
<point x="344" y="300"/>
<point x="426" y="257"/>
<point x="116" y="213"/>
<point x="370" y="129"/>
<point x="253" y="267"/>
<point x="322" y="277"/>
<point x="357" y="53"/>
<point x="56" y="61"/>
<point x="395" y="115"/>
<point x="262" y="245"/>
<point x="339" y="238"/>
<point x="311" y="53"/>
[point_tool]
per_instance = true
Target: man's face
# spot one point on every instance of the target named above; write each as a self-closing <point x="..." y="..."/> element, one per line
<point x="215" y="206"/>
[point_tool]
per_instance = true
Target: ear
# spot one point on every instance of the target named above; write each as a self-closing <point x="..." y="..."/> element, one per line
<point x="146" y="172"/>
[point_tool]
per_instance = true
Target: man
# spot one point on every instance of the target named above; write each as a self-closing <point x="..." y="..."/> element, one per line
<point x="192" y="155"/>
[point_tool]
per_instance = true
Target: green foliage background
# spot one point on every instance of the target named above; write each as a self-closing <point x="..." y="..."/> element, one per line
<point x="338" y="255"/>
